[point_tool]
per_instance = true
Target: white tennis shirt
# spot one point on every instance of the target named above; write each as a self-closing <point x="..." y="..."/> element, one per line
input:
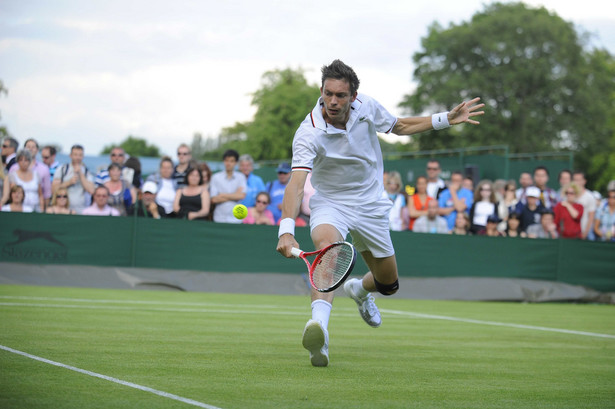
<point x="346" y="164"/>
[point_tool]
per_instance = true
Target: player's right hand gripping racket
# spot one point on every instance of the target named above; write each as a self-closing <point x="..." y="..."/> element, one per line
<point x="331" y="266"/>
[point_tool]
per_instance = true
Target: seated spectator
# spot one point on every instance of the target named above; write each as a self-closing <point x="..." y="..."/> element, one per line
<point x="604" y="225"/>
<point x="508" y="204"/>
<point x="431" y="223"/>
<point x="259" y="214"/>
<point x="546" y="229"/>
<point x="99" y="206"/>
<point x="484" y="205"/>
<point x="254" y="183"/>
<point x="192" y="201"/>
<point x="147" y="206"/>
<point x="121" y="193"/>
<point x="227" y="188"/>
<point x="76" y="178"/>
<point x="530" y="212"/>
<point x="117" y="155"/>
<point x="166" y="185"/>
<point x="454" y="199"/>
<point x="59" y="203"/>
<point x="462" y="224"/>
<point x="513" y="226"/>
<point x="27" y="178"/>
<point x="491" y="229"/>
<point x="393" y="187"/>
<point x="417" y="203"/>
<point x="15" y="201"/>
<point x="568" y="213"/>
<point x="276" y="190"/>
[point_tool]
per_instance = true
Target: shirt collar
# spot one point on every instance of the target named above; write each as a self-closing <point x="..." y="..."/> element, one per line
<point x="319" y="122"/>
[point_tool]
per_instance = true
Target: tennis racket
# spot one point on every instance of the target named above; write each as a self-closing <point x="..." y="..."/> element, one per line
<point x="331" y="266"/>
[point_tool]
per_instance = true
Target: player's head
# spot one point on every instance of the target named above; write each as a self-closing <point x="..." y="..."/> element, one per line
<point x="339" y="71"/>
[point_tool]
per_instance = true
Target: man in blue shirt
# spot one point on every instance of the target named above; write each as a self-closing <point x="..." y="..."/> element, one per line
<point x="276" y="190"/>
<point x="255" y="183"/>
<point x="454" y="199"/>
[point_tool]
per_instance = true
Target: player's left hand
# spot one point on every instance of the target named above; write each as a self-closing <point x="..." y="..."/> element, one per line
<point x="465" y="111"/>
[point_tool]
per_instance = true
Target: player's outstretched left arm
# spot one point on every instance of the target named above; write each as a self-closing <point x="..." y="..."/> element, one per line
<point x="464" y="112"/>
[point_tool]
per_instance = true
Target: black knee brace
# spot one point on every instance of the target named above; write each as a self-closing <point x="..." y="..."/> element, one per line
<point x="387" y="289"/>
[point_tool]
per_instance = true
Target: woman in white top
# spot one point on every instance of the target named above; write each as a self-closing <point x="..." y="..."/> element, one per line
<point x="167" y="186"/>
<point x="15" y="202"/>
<point x="28" y="179"/>
<point x="393" y="187"/>
<point x="485" y="205"/>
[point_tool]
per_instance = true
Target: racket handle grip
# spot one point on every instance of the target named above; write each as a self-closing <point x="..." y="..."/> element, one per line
<point x="295" y="252"/>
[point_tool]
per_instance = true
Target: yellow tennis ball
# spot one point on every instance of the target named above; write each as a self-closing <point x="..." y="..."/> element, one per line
<point x="240" y="211"/>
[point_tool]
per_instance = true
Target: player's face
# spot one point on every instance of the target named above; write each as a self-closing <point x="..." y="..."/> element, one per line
<point x="337" y="98"/>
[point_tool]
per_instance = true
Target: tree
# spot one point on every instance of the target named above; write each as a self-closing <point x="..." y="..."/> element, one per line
<point x="135" y="147"/>
<point x="543" y="91"/>
<point x="282" y="102"/>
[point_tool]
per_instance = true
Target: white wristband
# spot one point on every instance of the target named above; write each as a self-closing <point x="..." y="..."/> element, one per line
<point x="287" y="225"/>
<point x="440" y="121"/>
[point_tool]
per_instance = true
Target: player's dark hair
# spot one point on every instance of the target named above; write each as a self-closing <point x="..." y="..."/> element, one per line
<point x="231" y="153"/>
<point x="340" y="71"/>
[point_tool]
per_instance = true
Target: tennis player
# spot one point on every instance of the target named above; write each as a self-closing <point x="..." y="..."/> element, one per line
<point x="338" y="143"/>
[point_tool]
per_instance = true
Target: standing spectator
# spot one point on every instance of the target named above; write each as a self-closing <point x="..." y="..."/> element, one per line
<point x="393" y="187"/>
<point x="184" y="156"/>
<point x="454" y="199"/>
<point x="15" y="201"/>
<point x="468" y="183"/>
<point x="548" y="197"/>
<point x="508" y="204"/>
<point x="131" y="172"/>
<point x="227" y="188"/>
<point x="259" y="214"/>
<point x="417" y="203"/>
<point x="254" y="182"/>
<point x="192" y="201"/>
<point x="485" y="205"/>
<point x="499" y="188"/>
<point x="276" y="190"/>
<point x="435" y="184"/>
<point x="121" y="193"/>
<point x="568" y="213"/>
<point x="525" y="181"/>
<point x="165" y="184"/>
<point x="564" y="177"/>
<point x="40" y="168"/>
<point x="26" y="177"/>
<point x="59" y="203"/>
<point x="491" y="229"/>
<point x="48" y="154"/>
<point x="530" y="213"/>
<point x="546" y="229"/>
<point x="587" y="200"/>
<point x="431" y="223"/>
<point x="206" y="172"/>
<point x="99" y="206"/>
<point x="462" y="224"/>
<point x="513" y="226"/>
<point x="147" y="206"/>
<point x="78" y="180"/>
<point x="118" y="156"/>
<point x="9" y="152"/>
<point x="604" y="225"/>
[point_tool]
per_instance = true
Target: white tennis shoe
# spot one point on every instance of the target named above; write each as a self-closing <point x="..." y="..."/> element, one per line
<point x="367" y="305"/>
<point x="316" y="340"/>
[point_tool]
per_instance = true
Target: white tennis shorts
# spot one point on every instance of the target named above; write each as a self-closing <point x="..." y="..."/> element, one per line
<point x="367" y="224"/>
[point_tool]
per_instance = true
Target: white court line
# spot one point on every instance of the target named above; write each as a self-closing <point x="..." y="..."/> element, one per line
<point x="498" y="324"/>
<point x="253" y="309"/>
<point x="111" y="379"/>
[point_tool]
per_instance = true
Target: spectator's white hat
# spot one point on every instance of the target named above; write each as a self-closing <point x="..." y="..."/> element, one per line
<point x="150" y="187"/>
<point x="532" y="191"/>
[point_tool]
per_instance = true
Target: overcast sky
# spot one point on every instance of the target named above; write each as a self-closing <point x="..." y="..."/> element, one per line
<point x="94" y="72"/>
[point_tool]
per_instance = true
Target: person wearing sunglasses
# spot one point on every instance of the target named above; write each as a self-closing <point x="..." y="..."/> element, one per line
<point x="259" y="214"/>
<point x="117" y="155"/>
<point x="569" y="213"/>
<point x="60" y="203"/>
<point x="9" y="152"/>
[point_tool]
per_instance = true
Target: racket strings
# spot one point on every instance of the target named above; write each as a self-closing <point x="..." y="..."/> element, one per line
<point x="332" y="266"/>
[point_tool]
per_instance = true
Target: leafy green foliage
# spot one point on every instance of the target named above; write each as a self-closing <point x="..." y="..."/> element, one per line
<point x="135" y="147"/>
<point x="543" y="91"/>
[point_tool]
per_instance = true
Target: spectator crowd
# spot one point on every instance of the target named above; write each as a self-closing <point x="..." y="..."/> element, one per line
<point x="188" y="190"/>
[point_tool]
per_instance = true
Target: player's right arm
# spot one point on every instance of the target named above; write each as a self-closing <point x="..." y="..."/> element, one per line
<point x="291" y="204"/>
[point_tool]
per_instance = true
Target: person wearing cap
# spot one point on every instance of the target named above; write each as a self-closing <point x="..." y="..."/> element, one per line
<point x="227" y="188"/>
<point x="147" y="206"/>
<point x="530" y="212"/>
<point x="276" y="189"/>
<point x="491" y="229"/>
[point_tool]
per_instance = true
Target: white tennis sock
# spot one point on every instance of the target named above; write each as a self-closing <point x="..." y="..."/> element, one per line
<point x="359" y="289"/>
<point x="321" y="310"/>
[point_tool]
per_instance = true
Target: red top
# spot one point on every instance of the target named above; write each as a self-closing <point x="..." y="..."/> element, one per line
<point x="567" y="226"/>
<point x="418" y="206"/>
